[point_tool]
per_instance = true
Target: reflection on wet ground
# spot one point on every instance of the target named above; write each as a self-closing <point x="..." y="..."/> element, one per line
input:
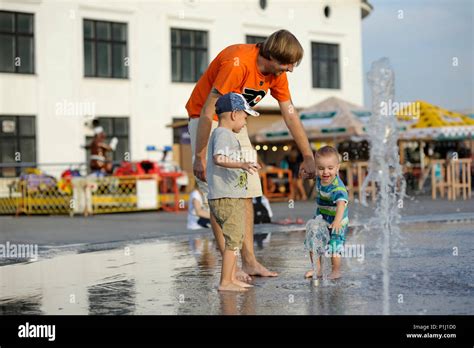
<point x="430" y="274"/>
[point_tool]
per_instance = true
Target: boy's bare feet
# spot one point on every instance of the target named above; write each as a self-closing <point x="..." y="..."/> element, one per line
<point x="231" y="287"/>
<point x="334" y="275"/>
<point x="242" y="276"/>
<point x="242" y="284"/>
<point x="258" y="270"/>
<point x="309" y="274"/>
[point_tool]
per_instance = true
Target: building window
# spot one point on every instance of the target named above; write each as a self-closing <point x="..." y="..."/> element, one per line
<point x="189" y="57"/>
<point x="253" y="39"/>
<point x="17" y="142"/>
<point x="105" y="49"/>
<point x="115" y="127"/>
<point x="16" y="42"/>
<point x="325" y="61"/>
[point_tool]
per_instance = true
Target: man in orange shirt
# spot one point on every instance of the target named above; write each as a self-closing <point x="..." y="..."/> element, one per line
<point x="248" y="69"/>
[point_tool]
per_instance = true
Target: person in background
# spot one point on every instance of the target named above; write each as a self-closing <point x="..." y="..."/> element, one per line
<point x="198" y="217"/>
<point x="99" y="162"/>
<point x="262" y="215"/>
<point x="262" y="210"/>
<point x="294" y="159"/>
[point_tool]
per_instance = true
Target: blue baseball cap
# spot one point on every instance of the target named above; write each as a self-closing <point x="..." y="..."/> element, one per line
<point x="234" y="102"/>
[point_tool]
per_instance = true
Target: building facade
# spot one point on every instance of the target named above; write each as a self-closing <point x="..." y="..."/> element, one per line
<point x="133" y="65"/>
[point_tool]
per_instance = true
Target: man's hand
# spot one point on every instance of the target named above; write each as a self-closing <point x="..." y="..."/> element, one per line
<point x="307" y="168"/>
<point x="199" y="168"/>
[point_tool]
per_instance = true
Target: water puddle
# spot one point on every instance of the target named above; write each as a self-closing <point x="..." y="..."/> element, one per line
<point x="180" y="276"/>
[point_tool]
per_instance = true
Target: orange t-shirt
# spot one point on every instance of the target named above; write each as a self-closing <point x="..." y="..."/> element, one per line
<point x="235" y="70"/>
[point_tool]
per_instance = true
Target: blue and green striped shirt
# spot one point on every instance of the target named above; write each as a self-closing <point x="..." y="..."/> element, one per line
<point x="326" y="199"/>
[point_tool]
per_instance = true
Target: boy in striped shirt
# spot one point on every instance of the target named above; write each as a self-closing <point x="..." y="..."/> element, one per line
<point x="332" y="202"/>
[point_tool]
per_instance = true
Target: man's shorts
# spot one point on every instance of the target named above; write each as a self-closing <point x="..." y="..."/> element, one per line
<point x="254" y="186"/>
<point x="228" y="214"/>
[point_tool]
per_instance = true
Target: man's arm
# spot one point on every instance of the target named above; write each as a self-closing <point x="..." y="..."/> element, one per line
<point x="292" y="120"/>
<point x="203" y="131"/>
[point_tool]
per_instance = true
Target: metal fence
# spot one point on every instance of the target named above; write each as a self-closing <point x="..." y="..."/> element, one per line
<point x="86" y="195"/>
<point x="10" y="195"/>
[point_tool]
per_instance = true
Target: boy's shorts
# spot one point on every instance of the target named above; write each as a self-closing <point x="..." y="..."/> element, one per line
<point x="228" y="213"/>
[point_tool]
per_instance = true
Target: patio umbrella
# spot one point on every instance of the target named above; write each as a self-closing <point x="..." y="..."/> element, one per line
<point x="333" y="117"/>
<point x="427" y="121"/>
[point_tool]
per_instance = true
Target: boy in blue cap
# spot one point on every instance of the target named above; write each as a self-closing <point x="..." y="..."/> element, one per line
<point x="227" y="173"/>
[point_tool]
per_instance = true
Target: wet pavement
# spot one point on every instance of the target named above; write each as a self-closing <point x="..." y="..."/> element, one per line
<point x="431" y="273"/>
<point x="61" y="230"/>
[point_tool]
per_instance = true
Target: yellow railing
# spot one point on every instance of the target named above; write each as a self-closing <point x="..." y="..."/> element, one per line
<point x="10" y="195"/>
<point x="84" y="195"/>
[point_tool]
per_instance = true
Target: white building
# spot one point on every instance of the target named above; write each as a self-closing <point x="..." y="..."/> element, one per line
<point x="63" y="62"/>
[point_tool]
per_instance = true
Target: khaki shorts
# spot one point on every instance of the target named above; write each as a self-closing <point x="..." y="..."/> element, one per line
<point x="228" y="214"/>
<point x="254" y="186"/>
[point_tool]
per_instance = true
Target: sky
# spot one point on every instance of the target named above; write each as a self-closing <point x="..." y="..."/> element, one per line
<point x="424" y="40"/>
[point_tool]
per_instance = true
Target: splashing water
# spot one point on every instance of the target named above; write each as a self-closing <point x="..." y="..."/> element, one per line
<point x="384" y="169"/>
<point x="317" y="238"/>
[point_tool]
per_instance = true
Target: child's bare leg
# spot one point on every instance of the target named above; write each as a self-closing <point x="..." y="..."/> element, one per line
<point x="229" y="260"/>
<point x="234" y="275"/>
<point x="219" y="235"/>
<point x="336" y="267"/>
<point x="299" y="184"/>
<point x="320" y="271"/>
<point x="309" y="274"/>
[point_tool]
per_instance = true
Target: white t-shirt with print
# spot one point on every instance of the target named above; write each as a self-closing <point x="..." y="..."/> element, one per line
<point x="192" y="214"/>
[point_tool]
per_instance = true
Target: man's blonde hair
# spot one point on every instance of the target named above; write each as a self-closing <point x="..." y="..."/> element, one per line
<point x="282" y="46"/>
